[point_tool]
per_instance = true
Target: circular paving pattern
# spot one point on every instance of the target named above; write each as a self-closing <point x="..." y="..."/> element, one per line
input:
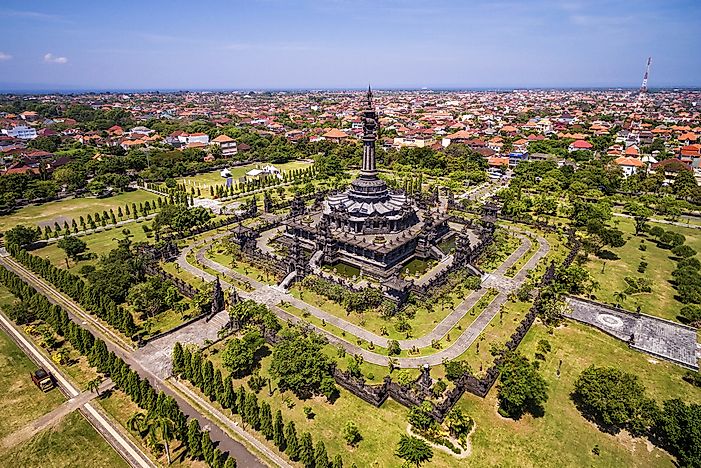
<point x="610" y="321"/>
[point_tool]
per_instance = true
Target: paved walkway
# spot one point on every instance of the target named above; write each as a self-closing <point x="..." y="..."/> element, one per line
<point x="668" y="340"/>
<point x="272" y="296"/>
<point x="156" y="355"/>
<point x="114" y="434"/>
<point x="54" y="417"/>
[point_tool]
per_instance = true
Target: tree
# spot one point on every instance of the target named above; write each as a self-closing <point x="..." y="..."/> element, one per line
<point x="194" y="439"/>
<point x="420" y="416"/>
<point x="162" y="427"/>
<point x="300" y="365"/>
<point x="620" y="297"/>
<point x="671" y="239"/>
<point x="414" y="450"/>
<point x="178" y="359"/>
<point x="459" y="424"/>
<point x="239" y="355"/>
<point x="351" y="434"/>
<point x="279" y="431"/>
<point x="321" y="458"/>
<point x="153" y="296"/>
<point x="266" y="420"/>
<point x="73" y="246"/>
<point x="207" y="447"/>
<point x="306" y="450"/>
<point x="684" y="184"/>
<point x="613" y="398"/>
<point x="521" y="387"/>
<point x="93" y="385"/>
<point x="337" y="462"/>
<point x="292" y="449"/>
<point x="678" y="428"/>
<point x="456" y="369"/>
<point x="21" y="235"/>
<point x="683" y="251"/>
<point x="640" y="213"/>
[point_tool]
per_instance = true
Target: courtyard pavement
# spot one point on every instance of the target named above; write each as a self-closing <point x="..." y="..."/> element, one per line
<point x="667" y="340"/>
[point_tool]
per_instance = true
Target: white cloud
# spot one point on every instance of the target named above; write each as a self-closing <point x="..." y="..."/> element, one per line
<point x="4" y="56"/>
<point x="51" y="58"/>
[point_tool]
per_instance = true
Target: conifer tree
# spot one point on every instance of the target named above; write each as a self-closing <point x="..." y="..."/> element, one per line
<point x="266" y="420"/>
<point x="240" y="400"/>
<point x="194" y="439"/>
<point x="292" y="449"/>
<point x="229" y="398"/>
<point x="178" y="359"/>
<point x="208" y="379"/>
<point x="187" y="364"/>
<point x="337" y="462"/>
<point x="279" y="431"/>
<point x="230" y="461"/>
<point x="207" y="447"/>
<point x="218" y="386"/>
<point x="306" y="450"/>
<point x="196" y="378"/>
<point x="321" y="459"/>
<point x="216" y="459"/>
<point x="251" y="412"/>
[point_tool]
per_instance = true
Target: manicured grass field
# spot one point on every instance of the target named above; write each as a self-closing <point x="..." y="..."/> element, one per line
<point x="610" y="273"/>
<point x="206" y="180"/>
<point x="66" y="210"/>
<point x="72" y="443"/>
<point x="99" y="244"/>
<point x="20" y="400"/>
<point x="380" y="427"/>
<point x="562" y="437"/>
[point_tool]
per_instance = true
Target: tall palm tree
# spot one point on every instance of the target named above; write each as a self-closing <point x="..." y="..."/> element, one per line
<point x="161" y="427"/>
<point x="620" y="297"/>
<point x="94" y="385"/>
<point x="137" y="423"/>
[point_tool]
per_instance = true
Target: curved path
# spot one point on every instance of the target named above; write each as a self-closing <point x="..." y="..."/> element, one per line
<point x="272" y="296"/>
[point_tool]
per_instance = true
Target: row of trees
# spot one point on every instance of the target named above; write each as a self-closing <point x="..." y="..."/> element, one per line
<point x="258" y="415"/>
<point x="617" y="400"/>
<point x="91" y="296"/>
<point x="163" y="418"/>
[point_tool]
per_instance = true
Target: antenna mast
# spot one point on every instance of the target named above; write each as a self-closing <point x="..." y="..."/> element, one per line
<point x="643" y="87"/>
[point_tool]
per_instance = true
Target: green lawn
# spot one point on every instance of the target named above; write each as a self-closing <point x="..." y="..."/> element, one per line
<point x="20" y="400"/>
<point x="610" y="273"/>
<point x="205" y="180"/>
<point x="380" y="427"/>
<point x="99" y="244"/>
<point x="66" y="210"/>
<point x="72" y="443"/>
<point x="562" y="437"/>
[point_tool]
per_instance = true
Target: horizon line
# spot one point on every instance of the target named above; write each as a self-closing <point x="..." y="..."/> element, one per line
<point x="41" y="90"/>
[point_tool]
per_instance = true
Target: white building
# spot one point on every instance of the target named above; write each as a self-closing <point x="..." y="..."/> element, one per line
<point x="22" y="132"/>
<point x="187" y="138"/>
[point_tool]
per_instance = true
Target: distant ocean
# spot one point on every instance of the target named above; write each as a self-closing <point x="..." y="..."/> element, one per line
<point x="14" y="89"/>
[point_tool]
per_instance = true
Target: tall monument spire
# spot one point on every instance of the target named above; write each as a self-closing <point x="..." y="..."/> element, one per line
<point x="369" y="137"/>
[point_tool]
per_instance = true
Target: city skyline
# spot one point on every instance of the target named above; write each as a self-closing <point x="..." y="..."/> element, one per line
<point x="344" y="45"/>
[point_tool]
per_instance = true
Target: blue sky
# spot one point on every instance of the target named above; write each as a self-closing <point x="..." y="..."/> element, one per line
<point x="347" y="43"/>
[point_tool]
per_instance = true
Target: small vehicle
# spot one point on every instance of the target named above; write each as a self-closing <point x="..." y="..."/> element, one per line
<point x="43" y="379"/>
